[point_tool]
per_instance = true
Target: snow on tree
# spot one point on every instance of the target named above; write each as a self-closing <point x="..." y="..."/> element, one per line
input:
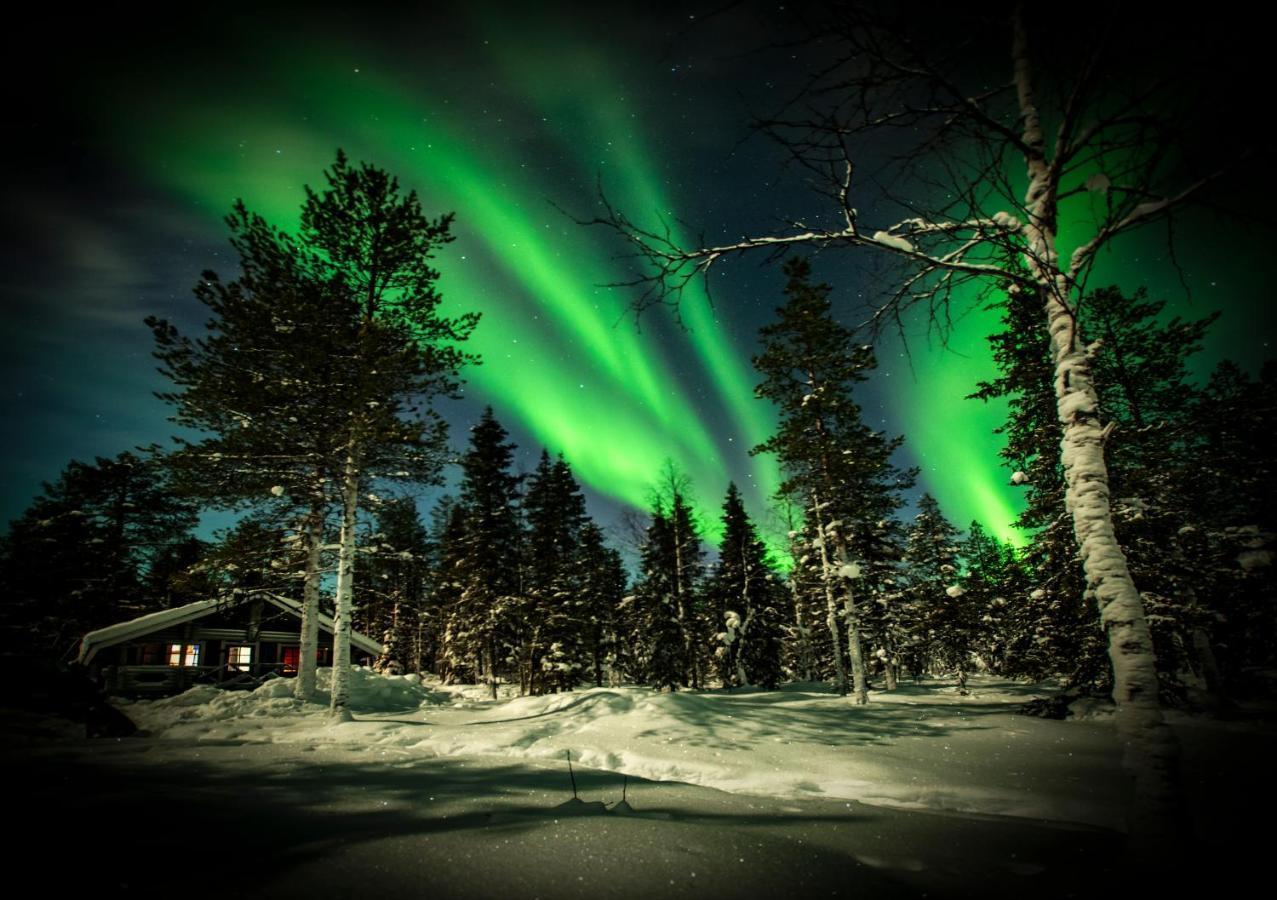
<point x="392" y="592"/>
<point x="377" y="244"/>
<point x="835" y="466"/>
<point x="485" y="625"/>
<point x="745" y="603"/>
<point x="554" y="514"/>
<point x="602" y="584"/>
<point x="1013" y="184"/>
<point x="663" y="619"/>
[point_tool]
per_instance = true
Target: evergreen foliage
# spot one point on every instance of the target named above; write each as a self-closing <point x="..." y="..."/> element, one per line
<point x="485" y="626"/>
<point x="91" y="550"/>
<point x="554" y="514"/>
<point x="745" y="603"/>
<point x="836" y="467"/>
<point x="391" y="596"/>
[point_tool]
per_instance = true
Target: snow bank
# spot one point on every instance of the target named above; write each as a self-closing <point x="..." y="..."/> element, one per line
<point x="921" y="747"/>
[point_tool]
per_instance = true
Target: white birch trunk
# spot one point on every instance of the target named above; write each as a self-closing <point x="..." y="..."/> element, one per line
<point x="1150" y="752"/>
<point x="855" y="650"/>
<point x="308" y="647"/>
<point x="339" y="705"/>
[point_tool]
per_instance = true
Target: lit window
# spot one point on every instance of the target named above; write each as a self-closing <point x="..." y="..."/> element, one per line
<point x="291" y="656"/>
<point x="238" y="659"/>
<point x="190" y="658"/>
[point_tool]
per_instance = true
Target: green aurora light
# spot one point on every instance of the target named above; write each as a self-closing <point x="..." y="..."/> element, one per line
<point x="559" y="352"/>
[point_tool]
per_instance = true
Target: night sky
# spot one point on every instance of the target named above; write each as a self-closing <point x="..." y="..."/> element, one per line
<point x="131" y="140"/>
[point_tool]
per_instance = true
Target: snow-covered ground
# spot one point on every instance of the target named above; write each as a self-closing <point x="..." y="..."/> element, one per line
<point x="922" y="747"/>
<point x="439" y="791"/>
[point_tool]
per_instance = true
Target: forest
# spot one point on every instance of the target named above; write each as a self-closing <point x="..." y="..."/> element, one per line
<point x="507" y="580"/>
<point x="793" y="612"/>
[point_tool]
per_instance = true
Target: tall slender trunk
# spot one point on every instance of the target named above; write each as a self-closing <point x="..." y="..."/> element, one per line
<point x="308" y="645"/>
<point x="339" y="705"/>
<point x="855" y="650"/>
<point x="890" y="664"/>
<point x="689" y="673"/>
<point x="746" y="617"/>
<point x="831" y="605"/>
<point x="804" y="639"/>
<point x="1150" y="751"/>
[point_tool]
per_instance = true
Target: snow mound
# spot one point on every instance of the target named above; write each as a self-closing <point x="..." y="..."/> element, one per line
<point x="372" y="692"/>
<point x="919" y="747"/>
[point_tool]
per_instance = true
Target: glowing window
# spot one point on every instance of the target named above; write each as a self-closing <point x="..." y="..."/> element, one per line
<point x="291" y="656"/>
<point x="238" y="659"/>
<point x="176" y="657"/>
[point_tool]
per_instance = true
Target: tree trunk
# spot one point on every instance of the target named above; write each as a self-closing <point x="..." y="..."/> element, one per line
<point x="308" y="649"/>
<point x="855" y="650"/>
<point x="890" y="665"/>
<point x="338" y="707"/>
<point x="831" y="605"/>
<point x="804" y="640"/>
<point x="1150" y="751"/>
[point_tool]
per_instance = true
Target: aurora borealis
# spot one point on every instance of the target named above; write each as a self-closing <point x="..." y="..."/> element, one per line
<point x="508" y="120"/>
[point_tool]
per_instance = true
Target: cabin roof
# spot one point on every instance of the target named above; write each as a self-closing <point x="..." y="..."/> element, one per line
<point x="121" y="632"/>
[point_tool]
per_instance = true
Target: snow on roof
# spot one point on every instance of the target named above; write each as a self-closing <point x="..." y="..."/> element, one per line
<point x="111" y="635"/>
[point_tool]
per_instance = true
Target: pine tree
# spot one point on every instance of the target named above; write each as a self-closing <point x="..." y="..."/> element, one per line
<point x="991" y="574"/>
<point x="253" y="557"/>
<point x="937" y="614"/>
<point x="602" y="587"/>
<point x="807" y="644"/>
<point x="1141" y="370"/>
<point x="838" y="468"/>
<point x="657" y="652"/>
<point x="263" y="388"/>
<point x="80" y="557"/>
<point x="1232" y="478"/>
<point x="686" y="577"/>
<point x="392" y="594"/>
<point x="745" y="601"/>
<point x="485" y="626"/>
<point x="449" y="659"/>
<point x="554" y="511"/>
<point x="377" y="244"/>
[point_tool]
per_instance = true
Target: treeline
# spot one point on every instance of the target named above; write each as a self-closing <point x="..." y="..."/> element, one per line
<point x="312" y="393"/>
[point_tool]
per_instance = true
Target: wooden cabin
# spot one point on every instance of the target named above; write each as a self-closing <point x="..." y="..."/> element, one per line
<point x="230" y="643"/>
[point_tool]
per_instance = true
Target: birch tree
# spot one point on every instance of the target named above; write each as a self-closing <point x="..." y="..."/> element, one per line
<point x="984" y="171"/>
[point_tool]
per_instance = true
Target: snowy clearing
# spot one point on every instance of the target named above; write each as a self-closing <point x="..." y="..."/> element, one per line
<point x="921" y="747"/>
<point x="438" y="790"/>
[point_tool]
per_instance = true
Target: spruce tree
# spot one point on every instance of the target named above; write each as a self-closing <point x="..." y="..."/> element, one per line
<point x="657" y="653"/>
<point x="837" y="467"/>
<point x="81" y="556"/>
<point x="554" y="512"/>
<point x="602" y="586"/>
<point x="392" y="594"/>
<point x="745" y="601"/>
<point x="937" y="621"/>
<point x="485" y="625"/>
<point x="450" y="659"/>
<point x="1153" y="468"/>
<point x="991" y="574"/>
